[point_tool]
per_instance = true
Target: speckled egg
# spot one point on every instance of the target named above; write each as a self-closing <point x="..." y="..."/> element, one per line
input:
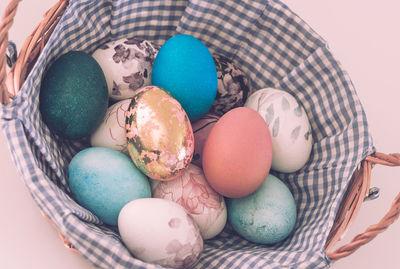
<point x="111" y="132"/>
<point x="266" y="216"/>
<point x="127" y="64"/>
<point x="192" y="191"/>
<point x="201" y="130"/>
<point x="103" y="180"/>
<point x="289" y="127"/>
<point x="234" y="87"/>
<point x="159" y="134"/>
<point x="73" y="95"/>
<point x="160" y="231"/>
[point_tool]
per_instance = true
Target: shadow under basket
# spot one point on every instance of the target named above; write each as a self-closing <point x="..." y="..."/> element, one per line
<point x="275" y="48"/>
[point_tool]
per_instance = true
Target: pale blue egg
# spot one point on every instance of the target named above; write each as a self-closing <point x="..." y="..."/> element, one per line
<point x="266" y="216"/>
<point x="185" y="67"/>
<point x="103" y="180"/>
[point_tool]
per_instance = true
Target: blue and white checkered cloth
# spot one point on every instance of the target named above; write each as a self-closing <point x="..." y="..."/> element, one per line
<point x="275" y="48"/>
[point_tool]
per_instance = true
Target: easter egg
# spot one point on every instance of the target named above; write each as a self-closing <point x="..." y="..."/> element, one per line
<point x="184" y="66"/>
<point x="233" y="86"/>
<point x="266" y="216"/>
<point x="289" y="127"/>
<point x="237" y="153"/>
<point x="103" y="180"/>
<point x="159" y="134"/>
<point x="192" y="192"/>
<point x="201" y="130"/>
<point x="127" y="64"/>
<point x="73" y="95"/>
<point x="111" y="132"/>
<point x="160" y="232"/>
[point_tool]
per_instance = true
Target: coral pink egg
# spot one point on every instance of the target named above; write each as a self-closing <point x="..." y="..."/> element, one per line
<point x="238" y="152"/>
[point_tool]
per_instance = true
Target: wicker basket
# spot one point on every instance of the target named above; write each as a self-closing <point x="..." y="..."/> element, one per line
<point x="357" y="187"/>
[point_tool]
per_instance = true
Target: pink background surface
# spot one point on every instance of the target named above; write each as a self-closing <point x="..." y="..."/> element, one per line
<point x="364" y="36"/>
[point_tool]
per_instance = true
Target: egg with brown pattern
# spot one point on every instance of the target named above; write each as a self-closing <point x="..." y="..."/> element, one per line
<point x="159" y="134"/>
<point x="127" y="64"/>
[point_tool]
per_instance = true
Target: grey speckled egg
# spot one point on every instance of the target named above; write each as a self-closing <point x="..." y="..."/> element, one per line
<point x="127" y="65"/>
<point x="233" y="86"/>
<point x="266" y="216"/>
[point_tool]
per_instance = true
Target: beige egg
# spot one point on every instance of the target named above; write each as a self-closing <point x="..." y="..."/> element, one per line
<point x="111" y="132"/>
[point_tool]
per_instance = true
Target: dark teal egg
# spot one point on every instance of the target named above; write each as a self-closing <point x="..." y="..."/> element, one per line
<point x="73" y="95"/>
<point x="266" y="216"/>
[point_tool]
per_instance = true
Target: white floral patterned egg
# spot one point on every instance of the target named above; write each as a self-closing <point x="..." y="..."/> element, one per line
<point x="192" y="191"/>
<point x="160" y="231"/>
<point x="111" y="132"/>
<point x="127" y="65"/>
<point x="289" y="127"/>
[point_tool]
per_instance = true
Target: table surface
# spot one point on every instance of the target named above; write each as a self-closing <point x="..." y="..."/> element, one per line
<point x="364" y="37"/>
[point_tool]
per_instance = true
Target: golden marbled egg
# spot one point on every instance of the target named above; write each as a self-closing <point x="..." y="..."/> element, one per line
<point x="159" y="134"/>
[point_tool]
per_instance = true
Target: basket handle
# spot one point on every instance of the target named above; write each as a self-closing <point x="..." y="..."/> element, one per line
<point x="6" y="22"/>
<point x="11" y="83"/>
<point x="390" y="217"/>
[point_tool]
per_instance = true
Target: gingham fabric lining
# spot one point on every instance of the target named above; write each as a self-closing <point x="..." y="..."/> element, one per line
<point x="275" y="48"/>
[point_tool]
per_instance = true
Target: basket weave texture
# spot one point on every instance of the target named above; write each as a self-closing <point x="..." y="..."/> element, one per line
<point x="275" y="48"/>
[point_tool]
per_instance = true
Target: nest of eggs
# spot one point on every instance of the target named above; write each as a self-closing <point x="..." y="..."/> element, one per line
<point x="273" y="80"/>
<point x="157" y="95"/>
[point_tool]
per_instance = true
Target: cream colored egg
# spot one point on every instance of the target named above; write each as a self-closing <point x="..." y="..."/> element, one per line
<point x="160" y="231"/>
<point x="289" y="127"/>
<point x="111" y="132"/>
<point x="192" y="191"/>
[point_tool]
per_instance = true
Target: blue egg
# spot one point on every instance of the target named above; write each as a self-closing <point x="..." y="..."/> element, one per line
<point x="266" y="216"/>
<point x="185" y="67"/>
<point x="104" y="180"/>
